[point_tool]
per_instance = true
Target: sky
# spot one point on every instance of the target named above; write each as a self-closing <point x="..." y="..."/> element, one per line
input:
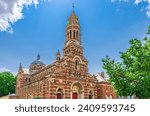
<point x="29" y="27"/>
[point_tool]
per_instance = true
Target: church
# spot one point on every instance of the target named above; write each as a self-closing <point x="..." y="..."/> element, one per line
<point x="67" y="77"/>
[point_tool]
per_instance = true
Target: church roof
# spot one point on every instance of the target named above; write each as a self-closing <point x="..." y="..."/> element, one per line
<point x="37" y="62"/>
<point x="101" y="77"/>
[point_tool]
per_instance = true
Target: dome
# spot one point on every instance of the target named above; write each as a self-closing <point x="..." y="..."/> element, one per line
<point x="37" y="62"/>
<point x="36" y="65"/>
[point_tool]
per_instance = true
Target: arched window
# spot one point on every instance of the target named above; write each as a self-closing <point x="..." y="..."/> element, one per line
<point x="26" y="79"/>
<point x="69" y="72"/>
<point x="74" y="34"/>
<point x="111" y="97"/>
<point x="69" y="63"/>
<point x="90" y="95"/>
<point x="59" y="94"/>
<point x="79" y="75"/>
<point x="76" y="64"/>
<point x="75" y="74"/>
<point x="77" y="33"/>
<point x="106" y="97"/>
<point x="70" y="34"/>
<point x="67" y="35"/>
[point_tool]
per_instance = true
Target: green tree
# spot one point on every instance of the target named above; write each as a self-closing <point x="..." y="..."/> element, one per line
<point x="132" y="75"/>
<point x="7" y="83"/>
<point x="148" y="30"/>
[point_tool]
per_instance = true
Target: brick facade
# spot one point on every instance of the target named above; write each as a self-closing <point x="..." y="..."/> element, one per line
<point x="67" y="77"/>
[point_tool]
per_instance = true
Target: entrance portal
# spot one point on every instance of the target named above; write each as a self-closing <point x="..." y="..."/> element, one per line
<point x="59" y="96"/>
<point x="59" y="93"/>
<point x="75" y="96"/>
<point x="77" y="91"/>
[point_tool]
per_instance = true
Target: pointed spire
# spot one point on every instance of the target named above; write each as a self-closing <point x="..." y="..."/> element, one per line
<point x="73" y="6"/>
<point x="38" y="56"/>
<point x="73" y="19"/>
<point x="58" y="56"/>
<point x="20" y="67"/>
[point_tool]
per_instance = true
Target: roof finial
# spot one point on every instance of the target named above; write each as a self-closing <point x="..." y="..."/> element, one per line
<point x="38" y="56"/>
<point x="58" y="56"/>
<point x="58" y="52"/>
<point x="73" y="6"/>
<point x="20" y="67"/>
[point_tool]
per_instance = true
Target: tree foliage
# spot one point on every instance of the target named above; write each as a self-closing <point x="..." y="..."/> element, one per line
<point x="132" y="75"/>
<point x="7" y="83"/>
<point x="148" y="30"/>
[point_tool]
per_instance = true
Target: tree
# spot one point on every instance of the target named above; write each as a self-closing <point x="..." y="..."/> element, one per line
<point x="148" y="30"/>
<point x="7" y="83"/>
<point x="132" y="75"/>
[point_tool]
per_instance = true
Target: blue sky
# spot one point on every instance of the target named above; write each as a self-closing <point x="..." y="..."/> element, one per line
<point x="106" y="29"/>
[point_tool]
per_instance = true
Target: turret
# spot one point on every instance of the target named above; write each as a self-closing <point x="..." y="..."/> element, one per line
<point x="20" y="79"/>
<point x="58" y="56"/>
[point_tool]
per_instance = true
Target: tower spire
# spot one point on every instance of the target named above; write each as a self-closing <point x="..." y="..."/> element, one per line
<point x="73" y="6"/>
<point x="38" y="56"/>
<point x="20" y="67"/>
<point x="58" y="56"/>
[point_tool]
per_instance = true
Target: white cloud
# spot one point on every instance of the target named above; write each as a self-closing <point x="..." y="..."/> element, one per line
<point x="7" y="70"/>
<point x="137" y="2"/>
<point x="11" y="12"/>
<point x="4" y="70"/>
<point x="148" y="10"/>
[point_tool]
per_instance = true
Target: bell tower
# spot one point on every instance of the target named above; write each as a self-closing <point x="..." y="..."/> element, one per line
<point x="73" y="44"/>
<point x="73" y="51"/>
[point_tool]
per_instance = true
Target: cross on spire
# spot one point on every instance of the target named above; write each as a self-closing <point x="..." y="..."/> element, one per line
<point x="73" y="5"/>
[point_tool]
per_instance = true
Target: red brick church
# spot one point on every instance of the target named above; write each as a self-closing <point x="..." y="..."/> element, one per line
<point x="67" y="77"/>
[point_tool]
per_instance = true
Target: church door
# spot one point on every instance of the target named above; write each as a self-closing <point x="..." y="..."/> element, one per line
<point x="90" y="97"/>
<point x="75" y="96"/>
<point x="59" y="96"/>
